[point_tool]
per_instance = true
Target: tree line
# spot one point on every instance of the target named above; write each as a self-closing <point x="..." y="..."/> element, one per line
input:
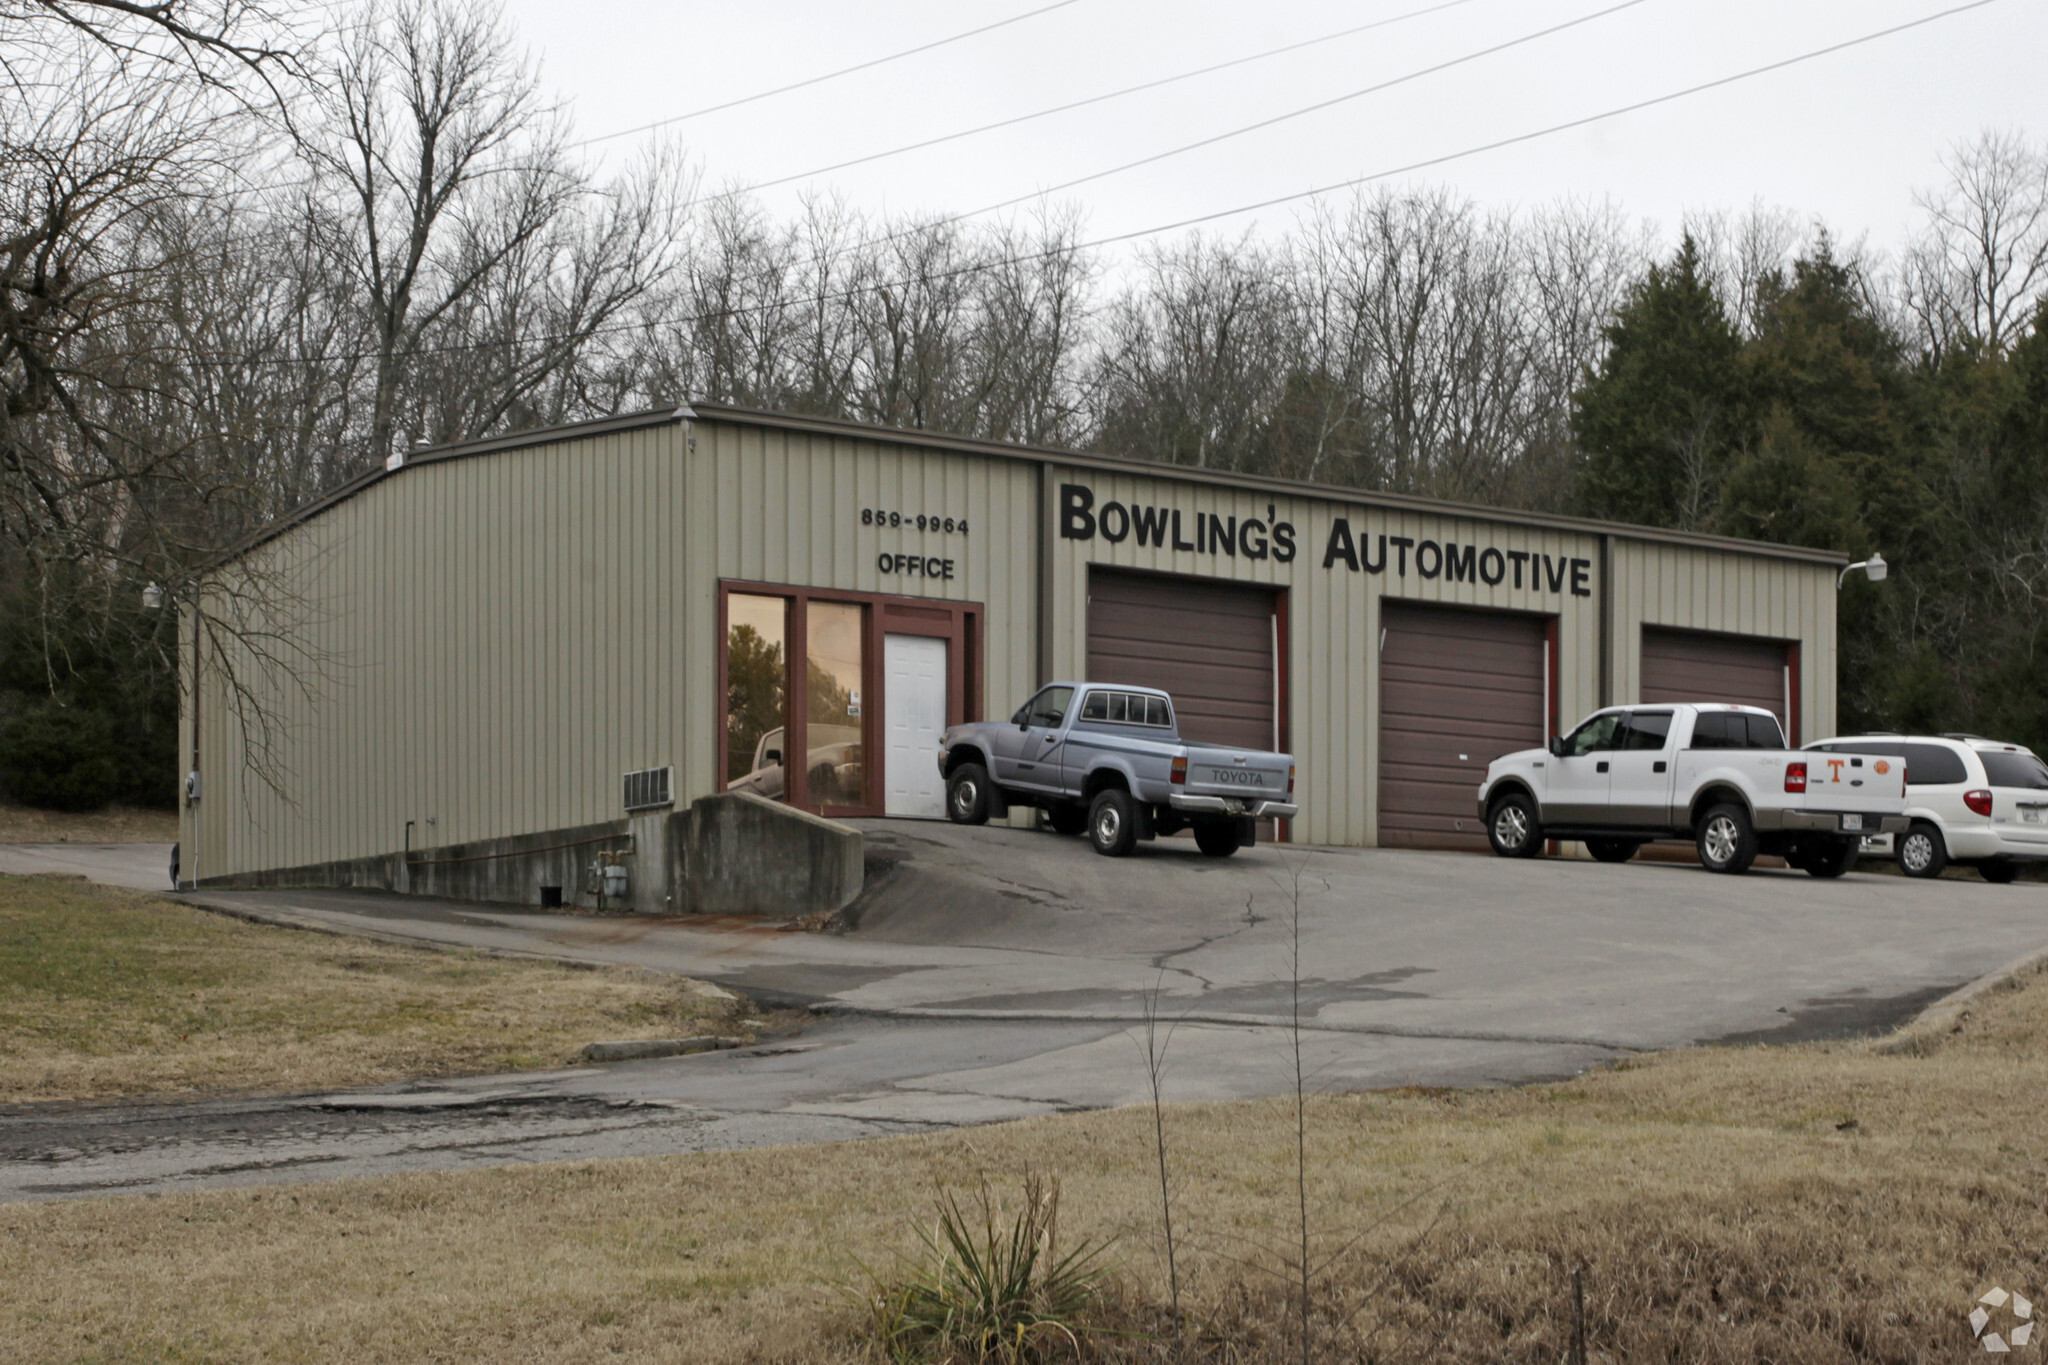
<point x="248" y="253"/>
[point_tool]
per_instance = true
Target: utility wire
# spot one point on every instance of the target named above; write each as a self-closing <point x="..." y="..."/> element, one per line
<point x="1196" y="220"/>
<point x="762" y="94"/>
<point x="827" y="76"/>
<point x="1264" y="123"/>
<point x="1092" y="99"/>
<point x="1039" y="194"/>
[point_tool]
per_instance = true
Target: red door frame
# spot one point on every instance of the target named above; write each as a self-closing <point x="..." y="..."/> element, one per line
<point x="958" y="623"/>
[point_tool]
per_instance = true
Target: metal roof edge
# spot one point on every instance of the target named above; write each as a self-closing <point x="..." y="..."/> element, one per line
<point x="456" y="450"/>
<point x="1326" y="492"/>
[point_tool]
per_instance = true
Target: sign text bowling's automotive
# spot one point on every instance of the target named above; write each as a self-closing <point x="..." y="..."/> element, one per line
<point x="1262" y="537"/>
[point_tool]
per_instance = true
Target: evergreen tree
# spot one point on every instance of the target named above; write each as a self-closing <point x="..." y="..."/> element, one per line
<point x="1661" y="419"/>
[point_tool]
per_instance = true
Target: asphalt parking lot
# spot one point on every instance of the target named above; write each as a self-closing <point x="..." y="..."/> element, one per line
<point x="999" y="973"/>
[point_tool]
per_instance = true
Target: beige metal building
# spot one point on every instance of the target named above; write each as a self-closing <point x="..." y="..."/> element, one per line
<point x="486" y="640"/>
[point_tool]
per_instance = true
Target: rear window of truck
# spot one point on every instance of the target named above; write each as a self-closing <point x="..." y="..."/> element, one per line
<point x="1736" y="730"/>
<point x="1125" y="708"/>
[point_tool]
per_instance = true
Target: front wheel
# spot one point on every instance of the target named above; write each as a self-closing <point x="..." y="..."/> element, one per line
<point x="1612" y="850"/>
<point x="1112" y="823"/>
<point x="967" y="795"/>
<point x="1217" y="838"/>
<point x="1512" y="827"/>
<point x="1726" y="840"/>
<point x="1921" y="851"/>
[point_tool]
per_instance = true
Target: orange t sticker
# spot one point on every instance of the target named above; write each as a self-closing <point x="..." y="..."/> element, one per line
<point x="1836" y="764"/>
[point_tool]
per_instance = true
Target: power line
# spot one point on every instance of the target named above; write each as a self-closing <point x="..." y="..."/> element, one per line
<point x="1093" y="99"/>
<point x="1390" y="83"/>
<point x="762" y="94"/>
<point x="827" y="76"/>
<point x="1261" y="124"/>
<point x="1193" y="221"/>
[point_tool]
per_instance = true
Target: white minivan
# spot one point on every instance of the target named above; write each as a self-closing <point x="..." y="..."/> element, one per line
<point x="1972" y="801"/>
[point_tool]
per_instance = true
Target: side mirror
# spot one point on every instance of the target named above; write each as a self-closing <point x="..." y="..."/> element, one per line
<point x="1024" y="724"/>
<point x="1556" y="746"/>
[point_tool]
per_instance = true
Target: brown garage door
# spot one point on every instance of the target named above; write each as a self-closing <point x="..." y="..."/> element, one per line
<point x="1209" y="644"/>
<point x="1684" y="665"/>
<point x="1457" y="690"/>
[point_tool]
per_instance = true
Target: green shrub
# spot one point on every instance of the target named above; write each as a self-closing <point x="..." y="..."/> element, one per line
<point x="59" y="757"/>
<point x="991" y="1288"/>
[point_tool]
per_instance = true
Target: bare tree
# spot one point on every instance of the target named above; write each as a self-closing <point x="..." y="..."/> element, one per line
<point x="1743" y="253"/>
<point x="1978" y="273"/>
<point x="446" y="208"/>
<point x="1192" y="360"/>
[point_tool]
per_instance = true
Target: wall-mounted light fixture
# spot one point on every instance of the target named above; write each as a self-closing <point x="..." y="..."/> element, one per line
<point x="1874" y="567"/>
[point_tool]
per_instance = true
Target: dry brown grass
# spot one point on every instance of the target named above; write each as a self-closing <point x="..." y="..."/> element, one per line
<point x="1819" y="1202"/>
<point x="114" y="825"/>
<point x="106" y="993"/>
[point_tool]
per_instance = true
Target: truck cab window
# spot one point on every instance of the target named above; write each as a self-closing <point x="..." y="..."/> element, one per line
<point x="1647" y="730"/>
<point x="1597" y="735"/>
<point x="1049" y="707"/>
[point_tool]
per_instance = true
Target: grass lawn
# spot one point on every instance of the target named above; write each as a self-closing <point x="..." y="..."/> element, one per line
<point x="114" y="825"/>
<point x="1802" y="1203"/>
<point x="106" y="993"/>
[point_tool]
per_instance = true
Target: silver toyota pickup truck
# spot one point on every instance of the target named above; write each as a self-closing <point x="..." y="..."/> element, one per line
<point x="1109" y="759"/>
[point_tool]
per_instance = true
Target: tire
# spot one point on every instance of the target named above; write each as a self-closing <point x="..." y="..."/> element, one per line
<point x="1512" y="827"/>
<point x="967" y="795"/>
<point x="1726" y="840"/>
<point x="1999" y="874"/>
<point x="1067" y="817"/>
<point x="1112" y="823"/>
<point x="1922" y="851"/>
<point x="1829" y="859"/>
<point x="1218" y="838"/>
<point x="1612" y="850"/>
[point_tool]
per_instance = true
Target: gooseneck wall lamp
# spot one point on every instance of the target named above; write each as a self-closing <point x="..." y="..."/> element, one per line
<point x="1874" y="567"/>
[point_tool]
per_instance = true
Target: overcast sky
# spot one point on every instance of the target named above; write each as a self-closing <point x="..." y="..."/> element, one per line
<point x="1846" y="138"/>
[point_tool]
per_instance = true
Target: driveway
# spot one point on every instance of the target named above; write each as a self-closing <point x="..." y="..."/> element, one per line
<point x="997" y="973"/>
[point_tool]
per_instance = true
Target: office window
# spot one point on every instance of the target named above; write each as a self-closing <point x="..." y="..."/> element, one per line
<point x="756" y="693"/>
<point x="835" y="654"/>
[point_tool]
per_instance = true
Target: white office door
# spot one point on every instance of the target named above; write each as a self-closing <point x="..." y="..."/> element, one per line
<point x="914" y="716"/>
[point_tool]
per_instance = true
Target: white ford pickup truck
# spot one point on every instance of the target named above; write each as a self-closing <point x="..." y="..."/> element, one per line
<point x="1720" y="776"/>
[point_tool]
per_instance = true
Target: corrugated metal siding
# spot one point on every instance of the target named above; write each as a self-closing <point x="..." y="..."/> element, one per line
<point x="1734" y="594"/>
<point x="783" y="507"/>
<point x="1333" y="618"/>
<point x="490" y="642"/>
<point x="502" y="635"/>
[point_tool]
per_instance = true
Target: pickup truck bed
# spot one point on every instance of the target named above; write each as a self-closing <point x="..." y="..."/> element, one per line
<point x="1717" y="775"/>
<point x="1109" y="760"/>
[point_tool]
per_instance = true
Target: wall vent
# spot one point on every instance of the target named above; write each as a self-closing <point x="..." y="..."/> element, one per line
<point x="651" y="788"/>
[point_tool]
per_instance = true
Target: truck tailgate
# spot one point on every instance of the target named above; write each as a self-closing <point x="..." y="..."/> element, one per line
<point x="1243" y="773"/>
<point x="1874" y="784"/>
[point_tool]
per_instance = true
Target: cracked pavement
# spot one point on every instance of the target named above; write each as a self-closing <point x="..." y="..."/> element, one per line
<point x="997" y="974"/>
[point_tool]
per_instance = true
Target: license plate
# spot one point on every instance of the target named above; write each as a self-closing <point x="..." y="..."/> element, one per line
<point x="2030" y="815"/>
<point x="1852" y="822"/>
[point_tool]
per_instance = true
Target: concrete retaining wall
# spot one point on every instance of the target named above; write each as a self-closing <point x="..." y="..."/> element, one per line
<point x="747" y="855"/>
<point x="731" y="854"/>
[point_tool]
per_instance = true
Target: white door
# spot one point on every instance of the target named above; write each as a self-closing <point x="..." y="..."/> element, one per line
<point x="914" y="717"/>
